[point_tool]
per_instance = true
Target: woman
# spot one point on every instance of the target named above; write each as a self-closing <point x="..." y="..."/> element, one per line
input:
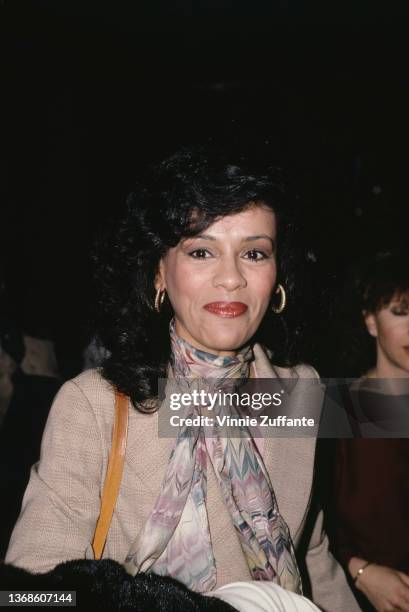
<point x="189" y="291"/>
<point x="371" y="489"/>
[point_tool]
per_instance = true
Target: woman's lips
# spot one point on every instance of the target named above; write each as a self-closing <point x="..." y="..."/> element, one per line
<point x="226" y="309"/>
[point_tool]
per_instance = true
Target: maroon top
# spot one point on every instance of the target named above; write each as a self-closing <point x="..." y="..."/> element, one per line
<point x="372" y="501"/>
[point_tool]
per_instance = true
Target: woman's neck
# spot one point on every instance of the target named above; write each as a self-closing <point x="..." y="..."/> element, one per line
<point x="189" y="360"/>
<point x="387" y="371"/>
<point x="394" y="381"/>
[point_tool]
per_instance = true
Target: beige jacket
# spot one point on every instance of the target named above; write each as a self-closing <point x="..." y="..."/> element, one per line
<point x="62" y="501"/>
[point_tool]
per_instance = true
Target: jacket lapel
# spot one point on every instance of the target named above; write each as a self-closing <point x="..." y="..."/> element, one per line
<point x="290" y="460"/>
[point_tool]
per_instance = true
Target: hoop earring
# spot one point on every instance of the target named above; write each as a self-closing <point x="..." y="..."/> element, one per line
<point x="159" y="298"/>
<point x="283" y="300"/>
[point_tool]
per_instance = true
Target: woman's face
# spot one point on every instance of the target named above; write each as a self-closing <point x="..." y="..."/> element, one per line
<point x="220" y="282"/>
<point x="390" y="327"/>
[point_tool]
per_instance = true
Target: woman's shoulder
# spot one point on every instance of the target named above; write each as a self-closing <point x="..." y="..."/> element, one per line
<point x="92" y="384"/>
<point x="89" y="392"/>
<point x="266" y="367"/>
<point x="300" y="370"/>
<point x="305" y="370"/>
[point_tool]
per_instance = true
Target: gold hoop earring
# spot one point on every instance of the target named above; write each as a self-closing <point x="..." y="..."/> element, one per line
<point x="159" y="298"/>
<point x="283" y="300"/>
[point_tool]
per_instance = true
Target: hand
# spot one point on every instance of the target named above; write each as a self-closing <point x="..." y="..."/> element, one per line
<point x="386" y="588"/>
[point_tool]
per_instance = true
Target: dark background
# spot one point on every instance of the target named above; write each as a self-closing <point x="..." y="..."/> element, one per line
<point x="93" y="90"/>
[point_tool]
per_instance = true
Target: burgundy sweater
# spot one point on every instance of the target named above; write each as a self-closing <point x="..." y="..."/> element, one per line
<point x="372" y="500"/>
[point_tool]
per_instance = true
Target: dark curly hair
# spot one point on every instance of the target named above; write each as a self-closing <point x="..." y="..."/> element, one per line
<point x="178" y="198"/>
<point x="372" y="285"/>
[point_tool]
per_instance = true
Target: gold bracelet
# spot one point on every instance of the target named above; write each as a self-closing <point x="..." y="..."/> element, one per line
<point x="361" y="570"/>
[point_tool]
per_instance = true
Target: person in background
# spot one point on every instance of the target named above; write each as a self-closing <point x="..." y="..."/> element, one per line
<point x="11" y="353"/>
<point x="29" y="381"/>
<point x="371" y="492"/>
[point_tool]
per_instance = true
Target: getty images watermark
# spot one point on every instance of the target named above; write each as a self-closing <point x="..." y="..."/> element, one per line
<point x="210" y="402"/>
<point x="290" y="407"/>
<point x="257" y="404"/>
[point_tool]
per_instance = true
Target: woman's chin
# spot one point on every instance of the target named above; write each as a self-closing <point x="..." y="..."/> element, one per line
<point x="224" y="343"/>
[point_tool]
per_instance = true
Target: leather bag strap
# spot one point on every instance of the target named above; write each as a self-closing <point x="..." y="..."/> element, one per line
<point x="114" y="473"/>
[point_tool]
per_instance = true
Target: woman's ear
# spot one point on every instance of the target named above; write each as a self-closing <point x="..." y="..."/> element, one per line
<point x="159" y="281"/>
<point x="371" y="324"/>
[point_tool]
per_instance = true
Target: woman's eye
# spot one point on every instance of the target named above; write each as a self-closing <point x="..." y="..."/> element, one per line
<point x="399" y="312"/>
<point x="200" y="254"/>
<point x="256" y="255"/>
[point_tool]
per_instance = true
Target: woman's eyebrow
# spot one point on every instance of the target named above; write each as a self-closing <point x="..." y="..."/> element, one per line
<point x="204" y="236"/>
<point x="260" y="237"/>
<point x="246" y="239"/>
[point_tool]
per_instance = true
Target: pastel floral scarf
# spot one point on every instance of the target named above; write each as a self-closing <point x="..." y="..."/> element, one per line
<point x="175" y="539"/>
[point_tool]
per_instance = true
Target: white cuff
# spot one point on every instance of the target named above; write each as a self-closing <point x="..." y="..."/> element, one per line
<point x="260" y="596"/>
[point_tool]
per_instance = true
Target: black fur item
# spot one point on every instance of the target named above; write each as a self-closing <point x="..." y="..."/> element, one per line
<point x="105" y="585"/>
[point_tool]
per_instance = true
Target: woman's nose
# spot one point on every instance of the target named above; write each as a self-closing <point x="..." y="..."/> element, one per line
<point x="229" y="275"/>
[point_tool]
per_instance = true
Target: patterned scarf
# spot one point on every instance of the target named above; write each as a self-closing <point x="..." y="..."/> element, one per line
<point x="175" y="539"/>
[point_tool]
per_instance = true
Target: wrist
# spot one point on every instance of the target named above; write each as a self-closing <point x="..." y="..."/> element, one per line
<point x="357" y="567"/>
<point x="354" y="564"/>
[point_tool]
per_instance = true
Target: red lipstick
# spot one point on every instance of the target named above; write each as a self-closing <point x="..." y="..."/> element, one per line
<point x="226" y="309"/>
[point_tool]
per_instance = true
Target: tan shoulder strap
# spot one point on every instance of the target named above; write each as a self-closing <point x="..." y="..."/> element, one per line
<point x="114" y="473"/>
